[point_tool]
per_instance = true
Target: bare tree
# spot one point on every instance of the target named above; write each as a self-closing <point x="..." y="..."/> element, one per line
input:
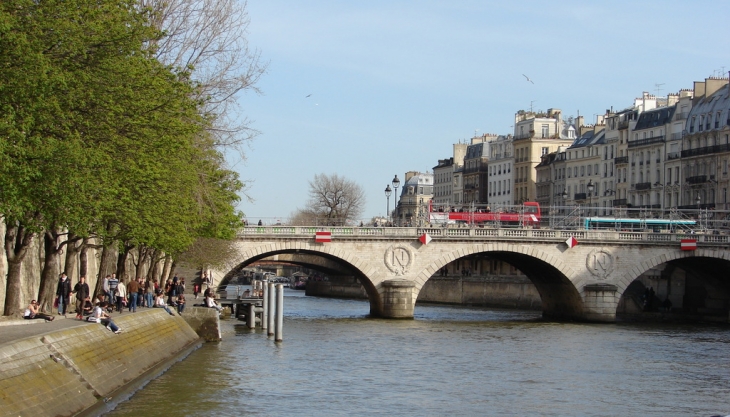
<point x="335" y="199"/>
<point x="208" y="38"/>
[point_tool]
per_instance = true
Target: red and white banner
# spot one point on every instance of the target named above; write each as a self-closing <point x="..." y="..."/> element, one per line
<point x="425" y="239"/>
<point x="571" y="242"/>
<point x="323" y="237"/>
<point x="688" y="244"/>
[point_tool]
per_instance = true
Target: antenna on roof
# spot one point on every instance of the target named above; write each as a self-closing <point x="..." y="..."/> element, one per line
<point x="531" y="102"/>
<point x="658" y="88"/>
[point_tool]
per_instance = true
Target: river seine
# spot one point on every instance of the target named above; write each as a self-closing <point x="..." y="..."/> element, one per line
<point x="334" y="361"/>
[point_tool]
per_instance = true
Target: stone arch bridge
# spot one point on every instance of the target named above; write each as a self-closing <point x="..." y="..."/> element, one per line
<point x="584" y="282"/>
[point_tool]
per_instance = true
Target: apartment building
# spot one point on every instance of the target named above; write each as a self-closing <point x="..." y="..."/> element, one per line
<point x="412" y="206"/>
<point x="475" y="169"/>
<point x="447" y="188"/>
<point x="499" y="171"/>
<point x="706" y="147"/>
<point x="535" y="135"/>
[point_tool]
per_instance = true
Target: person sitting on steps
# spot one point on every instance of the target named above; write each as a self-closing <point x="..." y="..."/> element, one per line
<point x="32" y="312"/>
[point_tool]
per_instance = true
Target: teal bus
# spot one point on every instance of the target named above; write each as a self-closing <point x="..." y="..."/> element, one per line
<point x="637" y="225"/>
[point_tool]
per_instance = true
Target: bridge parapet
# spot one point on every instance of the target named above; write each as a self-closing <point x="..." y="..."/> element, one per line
<point x="482" y="234"/>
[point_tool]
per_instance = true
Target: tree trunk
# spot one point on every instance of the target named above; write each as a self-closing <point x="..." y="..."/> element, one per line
<point x="166" y="269"/>
<point x="17" y="242"/>
<point x="84" y="259"/>
<point x="73" y="247"/>
<point x="51" y="269"/>
<point x="122" y="262"/>
<point x="107" y="265"/>
<point x="170" y="271"/>
<point x="152" y="272"/>
<point x="142" y="252"/>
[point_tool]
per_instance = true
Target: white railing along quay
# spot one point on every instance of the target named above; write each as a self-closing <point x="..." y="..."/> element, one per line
<point x="479" y="234"/>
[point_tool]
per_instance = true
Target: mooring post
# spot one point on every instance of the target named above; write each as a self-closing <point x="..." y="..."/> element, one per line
<point x="251" y="317"/>
<point x="279" y="312"/>
<point x="265" y="313"/>
<point x="272" y="306"/>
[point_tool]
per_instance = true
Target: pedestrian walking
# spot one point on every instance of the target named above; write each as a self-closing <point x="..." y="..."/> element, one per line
<point x="63" y="294"/>
<point x="81" y="289"/>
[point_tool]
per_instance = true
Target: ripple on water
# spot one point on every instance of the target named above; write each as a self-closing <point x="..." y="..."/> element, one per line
<point x="448" y="360"/>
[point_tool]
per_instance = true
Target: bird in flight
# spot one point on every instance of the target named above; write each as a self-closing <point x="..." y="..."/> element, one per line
<point x="307" y="96"/>
<point x="528" y="78"/>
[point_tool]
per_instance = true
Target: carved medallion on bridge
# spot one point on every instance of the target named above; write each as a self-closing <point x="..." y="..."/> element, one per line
<point x="600" y="263"/>
<point x="398" y="259"/>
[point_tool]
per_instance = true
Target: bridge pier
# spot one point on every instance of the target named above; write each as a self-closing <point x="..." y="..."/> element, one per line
<point x="398" y="300"/>
<point x="600" y="302"/>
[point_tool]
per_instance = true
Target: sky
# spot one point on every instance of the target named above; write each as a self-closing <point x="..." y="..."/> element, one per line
<point x="392" y="85"/>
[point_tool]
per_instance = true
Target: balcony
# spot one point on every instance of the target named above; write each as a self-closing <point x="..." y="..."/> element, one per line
<point x="681" y="116"/>
<point x="707" y="150"/>
<point x="580" y="196"/>
<point x="621" y="160"/>
<point x="524" y="136"/>
<point x="646" y="141"/>
<point x="643" y="186"/>
<point x="697" y="179"/>
<point x="672" y="155"/>
<point x="676" y="136"/>
<point x="621" y="202"/>
<point x="623" y="124"/>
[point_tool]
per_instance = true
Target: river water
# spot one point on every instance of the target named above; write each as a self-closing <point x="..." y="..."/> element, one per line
<point x="334" y="361"/>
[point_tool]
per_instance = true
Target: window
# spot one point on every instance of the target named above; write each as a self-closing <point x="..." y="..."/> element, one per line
<point x="545" y="150"/>
<point x="545" y="131"/>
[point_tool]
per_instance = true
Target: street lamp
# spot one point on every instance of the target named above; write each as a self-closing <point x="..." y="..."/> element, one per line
<point x="396" y="184"/>
<point x="388" y="191"/>
<point x="697" y="200"/>
<point x="590" y="195"/>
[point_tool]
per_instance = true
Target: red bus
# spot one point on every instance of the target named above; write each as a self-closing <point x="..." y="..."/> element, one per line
<point x="527" y="214"/>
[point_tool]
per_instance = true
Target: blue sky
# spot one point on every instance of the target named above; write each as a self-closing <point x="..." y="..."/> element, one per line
<point x="394" y="84"/>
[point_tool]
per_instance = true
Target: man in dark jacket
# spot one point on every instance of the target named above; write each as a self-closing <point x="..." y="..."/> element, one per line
<point x="63" y="292"/>
<point x="81" y="289"/>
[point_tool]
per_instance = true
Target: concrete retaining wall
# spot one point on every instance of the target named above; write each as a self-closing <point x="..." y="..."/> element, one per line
<point x="499" y="291"/>
<point x="512" y="292"/>
<point x="205" y="321"/>
<point x="65" y="372"/>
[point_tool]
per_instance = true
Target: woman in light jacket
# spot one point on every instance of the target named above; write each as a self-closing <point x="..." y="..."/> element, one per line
<point x="121" y="296"/>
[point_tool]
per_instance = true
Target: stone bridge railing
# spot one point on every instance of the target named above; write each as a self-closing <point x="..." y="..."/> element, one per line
<point x="486" y="234"/>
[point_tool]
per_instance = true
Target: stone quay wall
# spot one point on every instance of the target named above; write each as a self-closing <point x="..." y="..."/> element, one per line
<point x="493" y="291"/>
<point x="87" y="367"/>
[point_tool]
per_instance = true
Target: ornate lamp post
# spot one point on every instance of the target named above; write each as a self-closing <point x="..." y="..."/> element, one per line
<point x="565" y="199"/>
<point x="396" y="184"/>
<point x="388" y="191"/>
<point x="590" y="188"/>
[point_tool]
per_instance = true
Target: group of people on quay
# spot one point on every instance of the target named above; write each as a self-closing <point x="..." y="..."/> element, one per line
<point x="118" y="295"/>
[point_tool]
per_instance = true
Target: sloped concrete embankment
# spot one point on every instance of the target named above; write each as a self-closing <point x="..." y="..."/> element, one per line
<point x="83" y="368"/>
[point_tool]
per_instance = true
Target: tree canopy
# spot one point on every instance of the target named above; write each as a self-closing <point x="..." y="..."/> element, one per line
<point x="100" y="137"/>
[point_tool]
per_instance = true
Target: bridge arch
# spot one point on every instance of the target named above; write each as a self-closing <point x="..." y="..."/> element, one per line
<point x="550" y="275"/>
<point x="360" y="268"/>
<point x="702" y="264"/>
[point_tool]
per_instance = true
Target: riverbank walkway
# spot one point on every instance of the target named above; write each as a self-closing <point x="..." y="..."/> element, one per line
<point x="12" y="329"/>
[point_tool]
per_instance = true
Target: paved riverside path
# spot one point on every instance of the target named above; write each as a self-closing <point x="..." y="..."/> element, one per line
<point x="12" y="329"/>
